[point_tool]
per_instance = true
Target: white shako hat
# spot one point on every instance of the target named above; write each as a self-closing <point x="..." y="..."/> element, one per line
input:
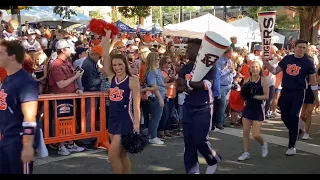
<point x="213" y="45"/>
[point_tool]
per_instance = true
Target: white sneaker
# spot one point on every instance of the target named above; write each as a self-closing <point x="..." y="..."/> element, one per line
<point x="211" y="169"/>
<point x="244" y="156"/>
<point x="291" y="152"/>
<point x="156" y="141"/>
<point x="74" y="148"/>
<point x="63" y="151"/>
<point x="215" y="130"/>
<point x="305" y="136"/>
<point x="264" y="150"/>
<point x="275" y="115"/>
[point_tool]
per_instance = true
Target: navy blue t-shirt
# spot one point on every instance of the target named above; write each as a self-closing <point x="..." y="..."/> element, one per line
<point x="198" y="97"/>
<point x="16" y="89"/>
<point x="296" y="71"/>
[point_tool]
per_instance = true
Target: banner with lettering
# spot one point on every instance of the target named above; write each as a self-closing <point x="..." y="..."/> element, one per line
<point x="65" y="108"/>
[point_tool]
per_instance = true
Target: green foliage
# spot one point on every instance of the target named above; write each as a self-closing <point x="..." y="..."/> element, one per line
<point x="65" y="11"/>
<point x="202" y="8"/>
<point x="175" y="9"/>
<point x="253" y="10"/>
<point x="114" y="17"/>
<point x="96" y="14"/>
<point x="283" y="21"/>
<point x="132" y="11"/>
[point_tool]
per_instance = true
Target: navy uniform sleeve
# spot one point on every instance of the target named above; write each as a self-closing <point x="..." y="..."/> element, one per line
<point x="310" y="66"/>
<point x="182" y="72"/>
<point x="282" y="63"/>
<point x="28" y="91"/>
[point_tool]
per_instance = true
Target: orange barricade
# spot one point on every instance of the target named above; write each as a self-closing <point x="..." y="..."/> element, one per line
<point x="65" y="127"/>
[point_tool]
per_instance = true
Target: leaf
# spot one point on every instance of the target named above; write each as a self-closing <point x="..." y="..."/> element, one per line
<point x="131" y="11"/>
<point x="65" y="11"/>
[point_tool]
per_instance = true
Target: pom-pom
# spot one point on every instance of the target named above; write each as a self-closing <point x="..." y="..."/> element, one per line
<point x="133" y="142"/>
<point x="248" y="91"/>
<point x="98" y="26"/>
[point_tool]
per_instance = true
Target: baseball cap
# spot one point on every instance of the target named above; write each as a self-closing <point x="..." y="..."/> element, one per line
<point x="251" y="57"/>
<point x="257" y="47"/>
<point x="97" y="49"/>
<point x="129" y="42"/>
<point x="80" y="50"/>
<point x="31" y="31"/>
<point x="62" y="43"/>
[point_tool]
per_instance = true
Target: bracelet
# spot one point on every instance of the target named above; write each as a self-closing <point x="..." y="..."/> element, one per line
<point x="188" y="85"/>
<point x="29" y="128"/>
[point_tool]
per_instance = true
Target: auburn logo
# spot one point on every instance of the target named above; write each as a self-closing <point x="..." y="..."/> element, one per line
<point x="116" y="94"/>
<point x="293" y="69"/>
<point x="210" y="59"/>
<point x="188" y="77"/>
<point x="3" y="102"/>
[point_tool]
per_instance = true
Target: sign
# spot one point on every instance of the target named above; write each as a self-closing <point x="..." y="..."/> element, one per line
<point x="65" y="108"/>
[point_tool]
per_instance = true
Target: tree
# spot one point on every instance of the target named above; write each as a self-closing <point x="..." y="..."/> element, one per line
<point x="284" y="21"/>
<point x="187" y="8"/>
<point x="96" y="14"/>
<point x="203" y="8"/>
<point x="132" y="11"/>
<point x="170" y="9"/>
<point x="114" y="14"/>
<point x="156" y="14"/>
<point x="309" y="17"/>
<point x="64" y="11"/>
<point x="253" y="10"/>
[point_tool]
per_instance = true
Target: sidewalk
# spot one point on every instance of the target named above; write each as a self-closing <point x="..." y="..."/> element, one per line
<point x="168" y="159"/>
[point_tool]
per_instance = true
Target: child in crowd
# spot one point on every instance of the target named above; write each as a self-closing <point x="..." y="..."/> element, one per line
<point x="236" y="102"/>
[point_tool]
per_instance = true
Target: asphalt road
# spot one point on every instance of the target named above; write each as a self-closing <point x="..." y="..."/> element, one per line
<point x="168" y="159"/>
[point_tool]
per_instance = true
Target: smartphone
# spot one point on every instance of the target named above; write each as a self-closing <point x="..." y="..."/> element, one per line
<point x="77" y="68"/>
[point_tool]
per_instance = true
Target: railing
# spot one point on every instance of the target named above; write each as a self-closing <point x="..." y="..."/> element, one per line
<point x="65" y="127"/>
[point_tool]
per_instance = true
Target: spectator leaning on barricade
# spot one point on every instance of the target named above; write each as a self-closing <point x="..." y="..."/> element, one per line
<point x="91" y="81"/>
<point x="80" y="56"/>
<point x="62" y="79"/>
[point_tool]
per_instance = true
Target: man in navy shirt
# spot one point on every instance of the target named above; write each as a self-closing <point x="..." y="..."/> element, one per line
<point x="18" y="110"/>
<point x="296" y="68"/>
<point x="197" y="114"/>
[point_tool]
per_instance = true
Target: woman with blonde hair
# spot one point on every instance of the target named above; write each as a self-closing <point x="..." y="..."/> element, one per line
<point x="41" y="70"/>
<point x="154" y="78"/>
<point x="253" y="114"/>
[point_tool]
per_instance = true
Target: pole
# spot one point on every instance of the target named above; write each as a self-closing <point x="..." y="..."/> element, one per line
<point x="180" y="13"/>
<point x="190" y="15"/>
<point x="161" y="17"/>
<point x="225" y="10"/>
<point x="214" y="11"/>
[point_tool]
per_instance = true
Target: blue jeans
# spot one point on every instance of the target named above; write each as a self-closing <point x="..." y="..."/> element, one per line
<point x="165" y="122"/>
<point x="225" y="93"/>
<point x="156" y="113"/>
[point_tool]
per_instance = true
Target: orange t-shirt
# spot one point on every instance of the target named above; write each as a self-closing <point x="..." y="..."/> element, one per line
<point x="3" y="74"/>
<point x="236" y="102"/>
<point x="147" y="38"/>
<point x="171" y="87"/>
<point x="142" y="73"/>
<point x="245" y="71"/>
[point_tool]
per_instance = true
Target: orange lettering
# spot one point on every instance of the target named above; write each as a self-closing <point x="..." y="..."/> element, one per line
<point x="3" y="103"/>
<point x="188" y="77"/>
<point x="293" y="69"/>
<point x="116" y="94"/>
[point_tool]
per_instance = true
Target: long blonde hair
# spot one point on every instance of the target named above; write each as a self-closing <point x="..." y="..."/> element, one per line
<point x="152" y="61"/>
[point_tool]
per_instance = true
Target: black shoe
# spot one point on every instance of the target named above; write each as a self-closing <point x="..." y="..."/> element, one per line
<point x="300" y="134"/>
<point x="220" y="127"/>
<point x="89" y="147"/>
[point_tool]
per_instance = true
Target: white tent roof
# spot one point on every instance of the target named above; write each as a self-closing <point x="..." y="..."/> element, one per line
<point x="45" y="13"/>
<point x="251" y="30"/>
<point x="196" y="28"/>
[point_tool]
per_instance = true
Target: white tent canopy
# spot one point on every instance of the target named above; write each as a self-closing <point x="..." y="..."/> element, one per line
<point x="45" y="13"/>
<point x="251" y="31"/>
<point x="196" y="28"/>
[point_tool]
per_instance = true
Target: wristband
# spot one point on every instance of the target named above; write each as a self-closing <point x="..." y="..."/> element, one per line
<point x="188" y="84"/>
<point x="314" y="88"/>
<point x="29" y="128"/>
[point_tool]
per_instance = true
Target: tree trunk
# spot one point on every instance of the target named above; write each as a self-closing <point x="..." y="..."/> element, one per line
<point x="114" y="14"/>
<point x="309" y="17"/>
<point x="141" y="21"/>
<point x="14" y="13"/>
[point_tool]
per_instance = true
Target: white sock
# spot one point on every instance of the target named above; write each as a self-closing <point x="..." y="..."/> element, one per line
<point x="301" y="124"/>
<point x="211" y="169"/>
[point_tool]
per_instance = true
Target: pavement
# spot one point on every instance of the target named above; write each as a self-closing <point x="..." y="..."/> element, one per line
<point x="168" y="158"/>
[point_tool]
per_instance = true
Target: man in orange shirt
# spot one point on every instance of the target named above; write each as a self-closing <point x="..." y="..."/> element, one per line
<point x="147" y="38"/>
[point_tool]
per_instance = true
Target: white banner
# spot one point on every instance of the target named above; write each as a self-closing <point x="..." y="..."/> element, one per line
<point x="267" y="20"/>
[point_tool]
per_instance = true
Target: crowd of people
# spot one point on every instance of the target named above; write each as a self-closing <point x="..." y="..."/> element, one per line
<point x="72" y="62"/>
